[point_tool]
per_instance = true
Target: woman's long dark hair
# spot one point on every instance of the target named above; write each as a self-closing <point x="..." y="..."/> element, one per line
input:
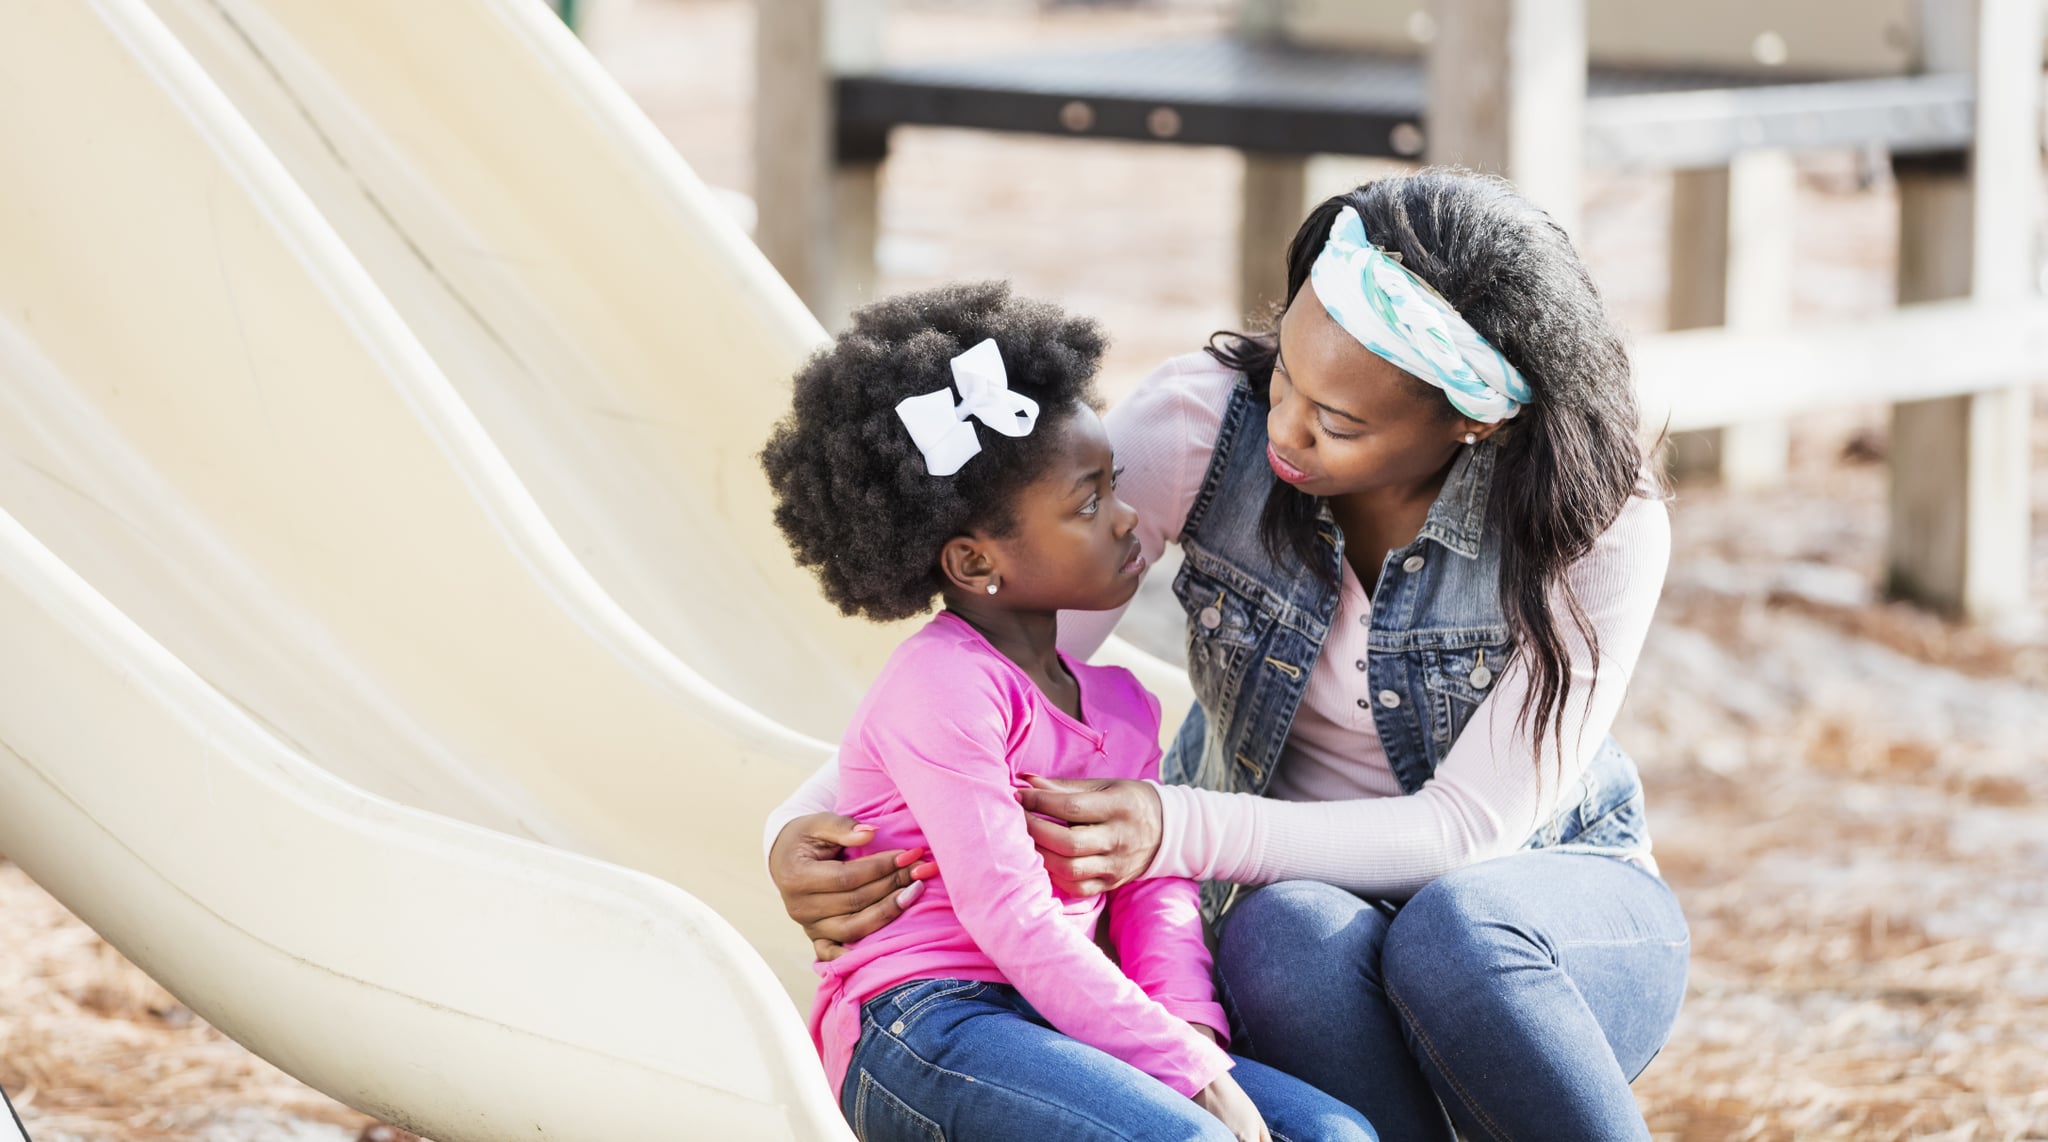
<point x="1568" y="462"/>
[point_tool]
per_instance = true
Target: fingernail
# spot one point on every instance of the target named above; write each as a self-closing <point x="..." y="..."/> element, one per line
<point x="924" y="872"/>
<point x="908" y="857"/>
<point x="908" y="896"/>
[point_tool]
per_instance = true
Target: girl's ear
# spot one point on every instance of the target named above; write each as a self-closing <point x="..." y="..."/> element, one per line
<point x="967" y="564"/>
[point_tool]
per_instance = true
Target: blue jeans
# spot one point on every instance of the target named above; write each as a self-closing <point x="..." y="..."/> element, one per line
<point x="949" y="1059"/>
<point x="1521" y="994"/>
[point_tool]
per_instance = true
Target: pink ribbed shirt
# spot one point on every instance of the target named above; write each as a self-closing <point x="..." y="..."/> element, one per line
<point x="935" y="754"/>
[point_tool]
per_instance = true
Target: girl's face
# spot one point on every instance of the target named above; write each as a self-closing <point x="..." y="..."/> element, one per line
<point x="1344" y="420"/>
<point x="1075" y="546"/>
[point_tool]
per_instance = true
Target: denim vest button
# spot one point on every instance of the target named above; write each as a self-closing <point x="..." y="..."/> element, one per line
<point x="1389" y="699"/>
<point x="1480" y="677"/>
<point x="1412" y="564"/>
<point x="1212" y="617"/>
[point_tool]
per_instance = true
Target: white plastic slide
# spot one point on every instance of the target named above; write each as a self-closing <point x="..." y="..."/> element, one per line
<point x="396" y="658"/>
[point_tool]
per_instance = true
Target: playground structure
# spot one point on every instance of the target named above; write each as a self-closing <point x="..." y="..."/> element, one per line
<point x="1721" y="95"/>
<point x="401" y="658"/>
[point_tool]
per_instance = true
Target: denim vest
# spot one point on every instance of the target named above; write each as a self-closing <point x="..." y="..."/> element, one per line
<point x="1256" y="629"/>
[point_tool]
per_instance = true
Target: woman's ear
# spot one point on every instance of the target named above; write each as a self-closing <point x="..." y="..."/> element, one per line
<point x="967" y="564"/>
<point x="1473" y="431"/>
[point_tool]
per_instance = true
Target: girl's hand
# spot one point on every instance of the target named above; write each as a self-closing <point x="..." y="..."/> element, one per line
<point x="1111" y="833"/>
<point x="839" y="901"/>
<point x="1233" y="1107"/>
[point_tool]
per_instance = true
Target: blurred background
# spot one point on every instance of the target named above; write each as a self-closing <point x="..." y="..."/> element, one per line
<point x="1848" y="790"/>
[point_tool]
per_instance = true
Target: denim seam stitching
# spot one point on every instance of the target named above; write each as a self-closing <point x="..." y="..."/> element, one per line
<point x="869" y="1082"/>
<point x="1008" y="1089"/>
<point x="908" y="1016"/>
<point x="1464" y="1095"/>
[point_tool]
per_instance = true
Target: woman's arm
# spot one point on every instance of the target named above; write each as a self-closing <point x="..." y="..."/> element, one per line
<point x="1484" y="800"/>
<point x="947" y="758"/>
<point x="837" y="901"/>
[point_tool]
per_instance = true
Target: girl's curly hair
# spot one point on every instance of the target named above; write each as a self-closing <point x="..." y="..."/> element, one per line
<point x="852" y="494"/>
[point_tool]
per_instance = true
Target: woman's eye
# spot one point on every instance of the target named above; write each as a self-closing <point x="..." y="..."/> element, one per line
<point x="1333" y="433"/>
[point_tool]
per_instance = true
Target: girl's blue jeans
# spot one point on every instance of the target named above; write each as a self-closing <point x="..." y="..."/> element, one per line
<point x="944" y="1060"/>
<point x="1521" y="995"/>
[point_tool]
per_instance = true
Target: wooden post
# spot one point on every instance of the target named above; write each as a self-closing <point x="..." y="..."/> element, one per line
<point x="817" y="219"/>
<point x="1507" y="93"/>
<point x="1271" y="210"/>
<point x="1731" y="264"/>
<point x="1960" y="466"/>
<point x="792" y="142"/>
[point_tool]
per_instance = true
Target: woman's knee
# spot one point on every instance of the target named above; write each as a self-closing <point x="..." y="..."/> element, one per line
<point x="1461" y="927"/>
<point x="1299" y="920"/>
<point x="1292" y="941"/>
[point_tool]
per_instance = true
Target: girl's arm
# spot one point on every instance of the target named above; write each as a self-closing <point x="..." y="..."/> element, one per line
<point x="1156" y="926"/>
<point x="947" y="755"/>
<point x="1162" y="434"/>
<point x="1487" y="796"/>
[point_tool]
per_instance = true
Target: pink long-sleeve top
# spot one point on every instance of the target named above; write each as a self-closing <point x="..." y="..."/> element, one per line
<point x="934" y="756"/>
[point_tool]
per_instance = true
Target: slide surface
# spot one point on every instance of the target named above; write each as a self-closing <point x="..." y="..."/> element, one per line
<point x="400" y="658"/>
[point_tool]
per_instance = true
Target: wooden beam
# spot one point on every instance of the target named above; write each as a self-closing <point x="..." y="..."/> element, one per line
<point x="1961" y="466"/>
<point x="1709" y="378"/>
<point x="1507" y="93"/>
<point x="1731" y="264"/>
<point x="1271" y="210"/>
<point x="792" y="143"/>
<point x="808" y="214"/>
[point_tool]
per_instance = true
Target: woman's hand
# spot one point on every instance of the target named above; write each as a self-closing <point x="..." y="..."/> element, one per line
<point x="838" y="901"/>
<point x="1111" y="833"/>
<point x="1234" y="1108"/>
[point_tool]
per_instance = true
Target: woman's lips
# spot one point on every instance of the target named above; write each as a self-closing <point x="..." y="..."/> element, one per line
<point x="1283" y="469"/>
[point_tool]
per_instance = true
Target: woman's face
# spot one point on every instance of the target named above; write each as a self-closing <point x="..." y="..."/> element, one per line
<point x="1345" y="420"/>
<point x="1075" y="545"/>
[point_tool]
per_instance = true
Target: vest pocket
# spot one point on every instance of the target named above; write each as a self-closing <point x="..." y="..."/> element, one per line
<point x="1224" y="627"/>
<point x="1466" y="674"/>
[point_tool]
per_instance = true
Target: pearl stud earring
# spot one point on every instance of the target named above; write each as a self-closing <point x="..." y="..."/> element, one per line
<point x="991" y="588"/>
<point x="1471" y="438"/>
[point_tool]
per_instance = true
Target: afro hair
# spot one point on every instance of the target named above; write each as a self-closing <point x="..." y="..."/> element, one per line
<point x="852" y="493"/>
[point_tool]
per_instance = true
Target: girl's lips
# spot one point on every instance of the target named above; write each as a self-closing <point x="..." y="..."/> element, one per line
<point x="1283" y="469"/>
<point x="1135" y="565"/>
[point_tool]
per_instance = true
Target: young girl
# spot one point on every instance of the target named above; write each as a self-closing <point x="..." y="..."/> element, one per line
<point x="947" y="446"/>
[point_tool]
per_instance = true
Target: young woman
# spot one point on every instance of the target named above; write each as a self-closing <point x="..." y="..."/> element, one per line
<point x="945" y="447"/>
<point x="1421" y="556"/>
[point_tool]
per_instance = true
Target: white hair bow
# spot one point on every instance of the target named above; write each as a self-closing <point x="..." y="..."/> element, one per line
<point x="939" y="427"/>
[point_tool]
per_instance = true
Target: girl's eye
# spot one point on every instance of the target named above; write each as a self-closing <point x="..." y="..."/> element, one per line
<point x="1093" y="505"/>
<point x="1114" y="476"/>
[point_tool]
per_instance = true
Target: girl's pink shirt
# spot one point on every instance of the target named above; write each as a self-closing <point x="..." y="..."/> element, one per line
<point x="935" y="755"/>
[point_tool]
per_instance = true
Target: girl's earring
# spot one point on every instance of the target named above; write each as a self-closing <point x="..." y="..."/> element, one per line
<point x="1471" y="438"/>
<point x="991" y="587"/>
